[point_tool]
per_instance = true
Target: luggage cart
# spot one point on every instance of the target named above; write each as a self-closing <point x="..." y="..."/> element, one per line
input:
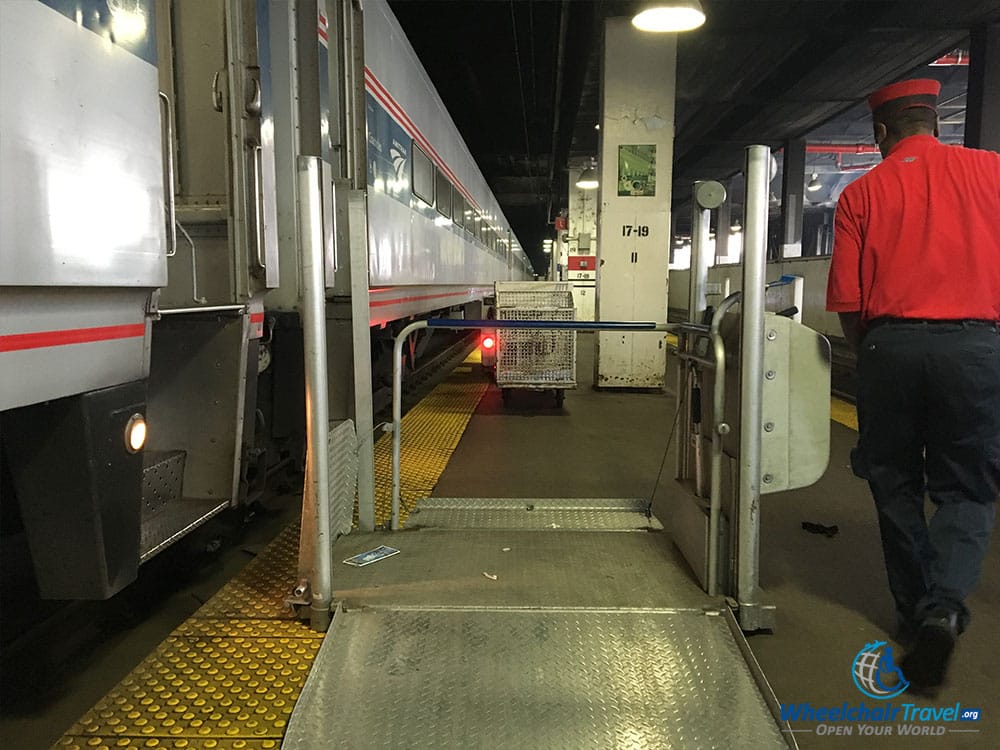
<point x="531" y="358"/>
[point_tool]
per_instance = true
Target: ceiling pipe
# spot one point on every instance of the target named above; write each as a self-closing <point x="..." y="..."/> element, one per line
<point x="959" y="57"/>
<point x="560" y="55"/>
<point x="841" y="148"/>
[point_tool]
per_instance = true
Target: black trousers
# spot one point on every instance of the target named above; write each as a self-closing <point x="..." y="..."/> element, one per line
<point x="929" y="419"/>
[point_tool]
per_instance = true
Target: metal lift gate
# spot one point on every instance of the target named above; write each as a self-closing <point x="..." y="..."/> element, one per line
<point x="550" y="660"/>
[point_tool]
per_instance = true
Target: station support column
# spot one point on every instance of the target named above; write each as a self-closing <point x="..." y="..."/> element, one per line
<point x="793" y="174"/>
<point x="982" y="118"/>
<point x="581" y="265"/>
<point x="636" y="156"/>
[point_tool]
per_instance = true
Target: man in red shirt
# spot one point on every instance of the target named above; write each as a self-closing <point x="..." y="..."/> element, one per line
<point x="915" y="277"/>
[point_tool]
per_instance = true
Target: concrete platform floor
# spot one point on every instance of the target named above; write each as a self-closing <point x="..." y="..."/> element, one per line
<point x="831" y="593"/>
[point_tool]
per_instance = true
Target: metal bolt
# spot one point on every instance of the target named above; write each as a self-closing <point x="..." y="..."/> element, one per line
<point x="767" y="478"/>
<point x="772" y="335"/>
<point x="769" y="427"/>
<point x="770" y="374"/>
<point x="723" y="428"/>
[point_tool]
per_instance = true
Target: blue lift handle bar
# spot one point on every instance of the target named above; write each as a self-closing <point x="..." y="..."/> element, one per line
<point x="570" y="325"/>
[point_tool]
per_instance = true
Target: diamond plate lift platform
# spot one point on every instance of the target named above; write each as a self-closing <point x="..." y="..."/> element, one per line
<point x="590" y="637"/>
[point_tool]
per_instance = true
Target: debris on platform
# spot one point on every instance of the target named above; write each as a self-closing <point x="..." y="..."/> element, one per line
<point x="371" y="556"/>
<point x="491" y="576"/>
<point x="818" y="528"/>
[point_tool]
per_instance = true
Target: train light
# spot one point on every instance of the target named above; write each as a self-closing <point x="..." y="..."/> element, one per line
<point x="489" y="342"/>
<point x="680" y="15"/>
<point x="135" y="433"/>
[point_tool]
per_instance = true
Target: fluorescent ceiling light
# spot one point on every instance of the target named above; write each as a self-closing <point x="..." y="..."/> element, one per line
<point x="683" y="15"/>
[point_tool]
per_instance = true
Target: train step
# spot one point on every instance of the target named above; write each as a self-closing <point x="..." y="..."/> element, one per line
<point x="166" y="514"/>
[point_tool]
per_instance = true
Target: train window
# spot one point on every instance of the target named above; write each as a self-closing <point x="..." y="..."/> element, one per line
<point x="442" y="189"/>
<point x="458" y="211"/>
<point x="423" y="175"/>
<point x="470" y="217"/>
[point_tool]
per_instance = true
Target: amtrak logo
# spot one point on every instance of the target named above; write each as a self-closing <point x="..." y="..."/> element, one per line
<point x="398" y="163"/>
<point x="875" y="674"/>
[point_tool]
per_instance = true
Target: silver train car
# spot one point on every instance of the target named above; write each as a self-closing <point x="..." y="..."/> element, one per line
<point x="152" y="162"/>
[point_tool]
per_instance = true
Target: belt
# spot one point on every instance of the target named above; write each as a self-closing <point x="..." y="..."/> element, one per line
<point x="964" y="322"/>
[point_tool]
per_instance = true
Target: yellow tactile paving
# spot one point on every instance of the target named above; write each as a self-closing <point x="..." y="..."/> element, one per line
<point x="263" y="585"/>
<point x="207" y="687"/>
<point x="221" y="628"/>
<point x="844" y="413"/>
<point x="430" y="434"/>
<point x="228" y="678"/>
<point x="164" y="743"/>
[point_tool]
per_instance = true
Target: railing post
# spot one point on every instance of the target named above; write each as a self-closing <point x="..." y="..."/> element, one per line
<point x="313" y="310"/>
<point x="397" y="414"/>
<point x="758" y="164"/>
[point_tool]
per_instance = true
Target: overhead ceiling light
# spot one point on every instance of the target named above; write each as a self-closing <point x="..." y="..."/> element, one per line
<point x="587" y="179"/>
<point x="682" y="15"/>
<point x="814" y="183"/>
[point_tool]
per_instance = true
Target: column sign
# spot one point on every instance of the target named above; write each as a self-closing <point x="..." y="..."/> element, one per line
<point x="637" y="170"/>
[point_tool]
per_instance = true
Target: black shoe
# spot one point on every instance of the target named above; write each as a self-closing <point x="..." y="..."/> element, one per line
<point x="906" y="634"/>
<point x="926" y="663"/>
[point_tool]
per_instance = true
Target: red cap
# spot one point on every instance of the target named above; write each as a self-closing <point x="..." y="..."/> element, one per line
<point x="917" y="87"/>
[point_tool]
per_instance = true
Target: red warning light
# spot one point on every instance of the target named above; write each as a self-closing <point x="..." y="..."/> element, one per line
<point x="489" y="342"/>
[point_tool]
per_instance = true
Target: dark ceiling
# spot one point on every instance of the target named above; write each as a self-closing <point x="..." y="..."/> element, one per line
<point x="520" y="78"/>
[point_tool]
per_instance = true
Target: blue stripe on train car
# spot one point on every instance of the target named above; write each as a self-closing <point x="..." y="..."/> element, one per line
<point x="129" y="24"/>
<point x="388" y="152"/>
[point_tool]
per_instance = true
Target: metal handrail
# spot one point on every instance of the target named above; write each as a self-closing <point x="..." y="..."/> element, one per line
<point x="719" y="430"/>
<point x="171" y="176"/>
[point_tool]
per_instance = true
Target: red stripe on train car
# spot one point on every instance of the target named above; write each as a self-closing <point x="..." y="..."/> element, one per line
<point x="42" y="339"/>
<point x="256" y="317"/>
<point x="402" y="300"/>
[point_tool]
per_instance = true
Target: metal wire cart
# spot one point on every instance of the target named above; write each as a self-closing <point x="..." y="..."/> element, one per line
<point x="532" y="358"/>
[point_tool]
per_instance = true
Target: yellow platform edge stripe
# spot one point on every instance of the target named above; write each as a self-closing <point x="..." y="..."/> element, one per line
<point x="844" y="413"/>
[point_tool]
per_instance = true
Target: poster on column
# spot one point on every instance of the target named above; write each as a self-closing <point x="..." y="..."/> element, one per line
<point x="637" y="170"/>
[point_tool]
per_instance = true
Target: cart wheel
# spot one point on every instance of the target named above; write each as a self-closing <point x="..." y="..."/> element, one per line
<point x="560" y="397"/>
<point x="505" y="395"/>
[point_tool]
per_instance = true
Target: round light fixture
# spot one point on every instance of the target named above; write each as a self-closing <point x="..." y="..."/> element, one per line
<point x="683" y="15"/>
<point x="814" y="183"/>
<point x="135" y="433"/>
<point x="587" y="179"/>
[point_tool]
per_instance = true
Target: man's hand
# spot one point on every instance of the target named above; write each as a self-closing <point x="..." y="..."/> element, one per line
<point x="850" y="322"/>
